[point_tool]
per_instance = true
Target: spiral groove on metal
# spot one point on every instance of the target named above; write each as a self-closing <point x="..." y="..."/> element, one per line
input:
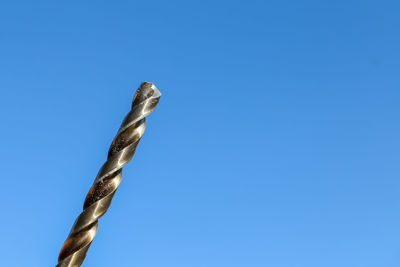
<point x="99" y="197"/>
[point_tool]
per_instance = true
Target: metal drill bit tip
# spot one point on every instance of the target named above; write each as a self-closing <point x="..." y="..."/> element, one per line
<point x="108" y="178"/>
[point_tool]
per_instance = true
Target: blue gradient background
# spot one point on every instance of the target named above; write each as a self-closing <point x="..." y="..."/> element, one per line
<point x="276" y="141"/>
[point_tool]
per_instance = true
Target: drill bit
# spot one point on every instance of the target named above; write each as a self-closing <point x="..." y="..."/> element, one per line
<point x="99" y="197"/>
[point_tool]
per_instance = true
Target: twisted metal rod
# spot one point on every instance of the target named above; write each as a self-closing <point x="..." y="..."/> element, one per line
<point x="99" y="197"/>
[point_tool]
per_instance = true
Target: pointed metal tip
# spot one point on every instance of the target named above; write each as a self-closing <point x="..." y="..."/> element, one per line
<point x="145" y="91"/>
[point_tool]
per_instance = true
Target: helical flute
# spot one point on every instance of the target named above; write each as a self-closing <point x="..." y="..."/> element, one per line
<point x="99" y="197"/>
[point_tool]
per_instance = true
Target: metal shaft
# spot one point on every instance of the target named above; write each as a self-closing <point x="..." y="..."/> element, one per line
<point x="106" y="183"/>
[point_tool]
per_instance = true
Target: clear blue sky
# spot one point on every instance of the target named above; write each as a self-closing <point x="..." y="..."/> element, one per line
<point x="276" y="141"/>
